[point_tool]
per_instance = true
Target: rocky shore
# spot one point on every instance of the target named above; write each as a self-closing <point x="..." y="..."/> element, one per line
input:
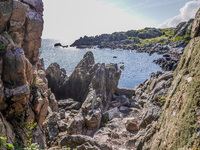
<point x="109" y="114"/>
<point x="170" y="41"/>
<point x="46" y="109"/>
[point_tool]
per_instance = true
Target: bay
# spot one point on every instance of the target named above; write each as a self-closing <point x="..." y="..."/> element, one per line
<point x="137" y="66"/>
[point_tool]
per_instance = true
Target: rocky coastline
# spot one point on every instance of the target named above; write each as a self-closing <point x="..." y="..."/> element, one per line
<point x="46" y="109"/>
<point x="170" y="41"/>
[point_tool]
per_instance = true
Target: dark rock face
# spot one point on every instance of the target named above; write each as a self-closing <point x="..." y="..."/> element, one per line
<point x="167" y="63"/>
<point x="57" y="79"/>
<point x="57" y="44"/>
<point x="88" y="75"/>
<point x="60" y="45"/>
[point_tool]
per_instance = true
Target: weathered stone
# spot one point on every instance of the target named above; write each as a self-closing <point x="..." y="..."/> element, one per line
<point x="6" y="130"/>
<point x="52" y="102"/>
<point x="57" y="79"/>
<point x="15" y="72"/>
<point x="78" y="140"/>
<point x="102" y="78"/>
<point x="124" y="91"/>
<point x="150" y="113"/>
<point x="76" y="125"/>
<point x="80" y="79"/>
<point x="32" y="49"/>
<point x="34" y="25"/>
<point x="37" y="4"/>
<point x="62" y="126"/>
<point x="110" y="114"/>
<point x="18" y="17"/>
<point x="69" y="104"/>
<point x="196" y="26"/>
<point x="5" y="13"/>
<point x="131" y="125"/>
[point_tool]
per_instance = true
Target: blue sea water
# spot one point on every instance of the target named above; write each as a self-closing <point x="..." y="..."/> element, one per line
<point x="138" y="66"/>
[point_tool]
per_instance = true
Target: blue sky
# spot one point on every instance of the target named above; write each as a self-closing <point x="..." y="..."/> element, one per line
<point x="67" y="20"/>
<point x="157" y="11"/>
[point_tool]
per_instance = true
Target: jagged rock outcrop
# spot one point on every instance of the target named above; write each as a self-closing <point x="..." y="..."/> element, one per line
<point x="87" y="92"/>
<point x="178" y="126"/>
<point x="93" y="85"/>
<point x="88" y="75"/>
<point x="167" y="62"/>
<point x="196" y="25"/>
<point x="57" y="79"/>
<point x="127" y="118"/>
<point x="23" y="21"/>
<point x="183" y="27"/>
<point x="24" y="95"/>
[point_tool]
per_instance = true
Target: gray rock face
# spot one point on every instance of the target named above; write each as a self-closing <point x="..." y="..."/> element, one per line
<point x="167" y="63"/>
<point x="183" y="27"/>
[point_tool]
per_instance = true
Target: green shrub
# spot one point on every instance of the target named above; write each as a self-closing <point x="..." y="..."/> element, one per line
<point x="4" y="144"/>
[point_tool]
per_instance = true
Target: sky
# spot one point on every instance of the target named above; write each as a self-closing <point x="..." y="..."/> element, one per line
<point x="68" y="20"/>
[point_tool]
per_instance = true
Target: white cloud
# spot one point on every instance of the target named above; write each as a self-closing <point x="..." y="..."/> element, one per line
<point x="187" y="12"/>
<point x="67" y="20"/>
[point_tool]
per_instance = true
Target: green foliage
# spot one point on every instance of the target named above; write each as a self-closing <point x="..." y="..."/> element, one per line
<point x="161" y="100"/>
<point x="169" y="32"/>
<point x="3" y="48"/>
<point x="139" y="45"/>
<point x="29" y="127"/>
<point x="186" y="38"/>
<point x="33" y="146"/>
<point x="7" y="37"/>
<point x="4" y="144"/>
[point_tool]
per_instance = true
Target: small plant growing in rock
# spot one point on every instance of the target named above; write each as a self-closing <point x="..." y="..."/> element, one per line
<point x="161" y="100"/>
<point x="5" y="145"/>
<point x="30" y="126"/>
<point x="3" y="48"/>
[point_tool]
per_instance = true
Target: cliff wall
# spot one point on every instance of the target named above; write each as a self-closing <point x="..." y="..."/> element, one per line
<point x="24" y="95"/>
<point x="178" y="126"/>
